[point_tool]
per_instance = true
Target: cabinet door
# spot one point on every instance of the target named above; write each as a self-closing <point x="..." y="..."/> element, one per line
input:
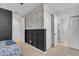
<point x="41" y="40"/>
<point x="29" y="36"/>
<point x="25" y="35"/>
<point x="34" y="38"/>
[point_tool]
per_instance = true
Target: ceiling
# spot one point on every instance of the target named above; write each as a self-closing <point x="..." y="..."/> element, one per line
<point x="64" y="8"/>
<point x="58" y="8"/>
<point x="19" y="9"/>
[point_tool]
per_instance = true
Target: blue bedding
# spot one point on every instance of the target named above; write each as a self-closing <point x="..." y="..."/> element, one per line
<point x="9" y="49"/>
<point x="10" y="42"/>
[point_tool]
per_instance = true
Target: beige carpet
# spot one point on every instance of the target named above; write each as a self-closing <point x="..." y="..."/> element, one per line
<point x="28" y="50"/>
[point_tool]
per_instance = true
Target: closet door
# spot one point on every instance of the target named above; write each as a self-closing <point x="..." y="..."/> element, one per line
<point x="73" y="32"/>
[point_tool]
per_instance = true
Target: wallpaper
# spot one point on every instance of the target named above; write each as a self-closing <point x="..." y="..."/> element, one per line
<point x="35" y="18"/>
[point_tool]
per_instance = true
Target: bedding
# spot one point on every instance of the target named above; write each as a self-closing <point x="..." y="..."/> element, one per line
<point x="10" y="42"/>
<point x="9" y="49"/>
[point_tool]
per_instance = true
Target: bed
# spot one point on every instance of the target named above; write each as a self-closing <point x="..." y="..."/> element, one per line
<point x="9" y="48"/>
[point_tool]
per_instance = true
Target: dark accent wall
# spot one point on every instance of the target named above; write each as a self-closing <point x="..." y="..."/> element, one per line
<point x="5" y="24"/>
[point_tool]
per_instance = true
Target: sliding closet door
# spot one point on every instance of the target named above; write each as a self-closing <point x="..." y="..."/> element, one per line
<point x="73" y="32"/>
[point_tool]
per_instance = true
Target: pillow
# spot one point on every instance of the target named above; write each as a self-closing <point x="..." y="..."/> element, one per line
<point x="10" y="42"/>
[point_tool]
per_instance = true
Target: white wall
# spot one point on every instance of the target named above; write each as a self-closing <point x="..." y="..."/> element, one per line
<point x="47" y="26"/>
<point x="55" y="30"/>
<point x="22" y="22"/>
<point x="15" y="27"/>
<point x="18" y="27"/>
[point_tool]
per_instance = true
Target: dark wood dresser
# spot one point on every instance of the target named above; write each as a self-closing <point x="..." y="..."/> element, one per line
<point x="36" y="38"/>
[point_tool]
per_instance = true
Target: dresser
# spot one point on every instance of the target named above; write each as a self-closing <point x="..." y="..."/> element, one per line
<point x="36" y="38"/>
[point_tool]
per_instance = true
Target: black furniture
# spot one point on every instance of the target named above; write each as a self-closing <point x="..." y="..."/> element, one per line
<point x="5" y="24"/>
<point x="36" y="38"/>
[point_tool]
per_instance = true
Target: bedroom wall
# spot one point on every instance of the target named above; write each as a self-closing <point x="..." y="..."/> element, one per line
<point x="18" y="28"/>
<point x="47" y="26"/>
<point x="22" y="28"/>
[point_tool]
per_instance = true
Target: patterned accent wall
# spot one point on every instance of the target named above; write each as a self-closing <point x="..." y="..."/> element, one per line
<point x="35" y="18"/>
